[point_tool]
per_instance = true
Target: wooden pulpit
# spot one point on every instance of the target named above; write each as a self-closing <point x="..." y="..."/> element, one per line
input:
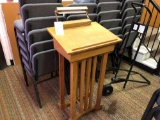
<point x="83" y="41"/>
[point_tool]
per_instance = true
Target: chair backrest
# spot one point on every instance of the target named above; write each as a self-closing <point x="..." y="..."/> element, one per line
<point x="106" y="15"/>
<point x="23" y="2"/>
<point x="99" y="1"/>
<point x="93" y="17"/>
<point x="127" y="4"/>
<point x="116" y="30"/>
<point x="131" y="39"/>
<point x="40" y="46"/>
<point x="38" y="36"/>
<point x="45" y="62"/>
<point x="40" y="22"/>
<point x="111" y="23"/>
<point x="108" y="6"/>
<point x="130" y="12"/>
<point x="128" y="20"/>
<point x="39" y="10"/>
<point x="126" y="29"/>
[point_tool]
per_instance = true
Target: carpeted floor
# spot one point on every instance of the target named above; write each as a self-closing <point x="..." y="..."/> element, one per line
<point x="18" y="102"/>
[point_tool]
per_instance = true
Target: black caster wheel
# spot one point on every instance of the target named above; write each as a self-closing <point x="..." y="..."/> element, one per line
<point x="107" y="90"/>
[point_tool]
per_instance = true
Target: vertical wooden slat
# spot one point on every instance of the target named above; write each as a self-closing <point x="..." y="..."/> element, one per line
<point x="82" y="77"/>
<point x="92" y="80"/>
<point x="61" y="83"/>
<point x="88" y="72"/>
<point x="73" y="89"/>
<point x="101" y="80"/>
<point x="77" y="84"/>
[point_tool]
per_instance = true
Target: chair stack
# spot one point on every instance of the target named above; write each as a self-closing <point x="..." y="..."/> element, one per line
<point x="117" y="17"/>
<point x="37" y="54"/>
<point x="109" y="15"/>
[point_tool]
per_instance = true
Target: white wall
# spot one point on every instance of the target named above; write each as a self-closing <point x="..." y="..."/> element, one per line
<point x="5" y="39"/>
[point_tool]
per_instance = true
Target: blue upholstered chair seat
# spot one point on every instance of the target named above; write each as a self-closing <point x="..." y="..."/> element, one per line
<point x="19" y="25"/>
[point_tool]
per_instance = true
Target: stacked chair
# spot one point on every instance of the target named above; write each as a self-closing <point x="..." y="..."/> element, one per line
<point x="38" y="57"/>
<point x="109" y="15"/>
<point x="117" y="16"/>
<point x="153" y="107"/>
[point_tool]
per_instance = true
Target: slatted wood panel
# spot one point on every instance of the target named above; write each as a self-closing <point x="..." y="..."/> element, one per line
<point x="86" y="82"/>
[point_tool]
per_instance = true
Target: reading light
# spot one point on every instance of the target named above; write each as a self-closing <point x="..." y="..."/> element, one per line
<point x="71" y="10"/>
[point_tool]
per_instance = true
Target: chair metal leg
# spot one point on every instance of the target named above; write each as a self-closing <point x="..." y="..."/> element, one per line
<point x="24" y="72"/>
<point x="25" y="75"/>
<point x="36" y="91"/>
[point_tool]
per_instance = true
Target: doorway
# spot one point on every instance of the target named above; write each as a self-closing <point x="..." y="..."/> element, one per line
<point x="2" y="59"/>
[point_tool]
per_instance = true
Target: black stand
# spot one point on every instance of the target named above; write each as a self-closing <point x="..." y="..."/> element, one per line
<point x="108" y="89"/>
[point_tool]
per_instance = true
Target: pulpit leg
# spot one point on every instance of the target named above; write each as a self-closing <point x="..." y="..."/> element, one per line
<point x="62" y="104"/>
<point x="101" y="80"/>
<point x="73" y="89"/>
